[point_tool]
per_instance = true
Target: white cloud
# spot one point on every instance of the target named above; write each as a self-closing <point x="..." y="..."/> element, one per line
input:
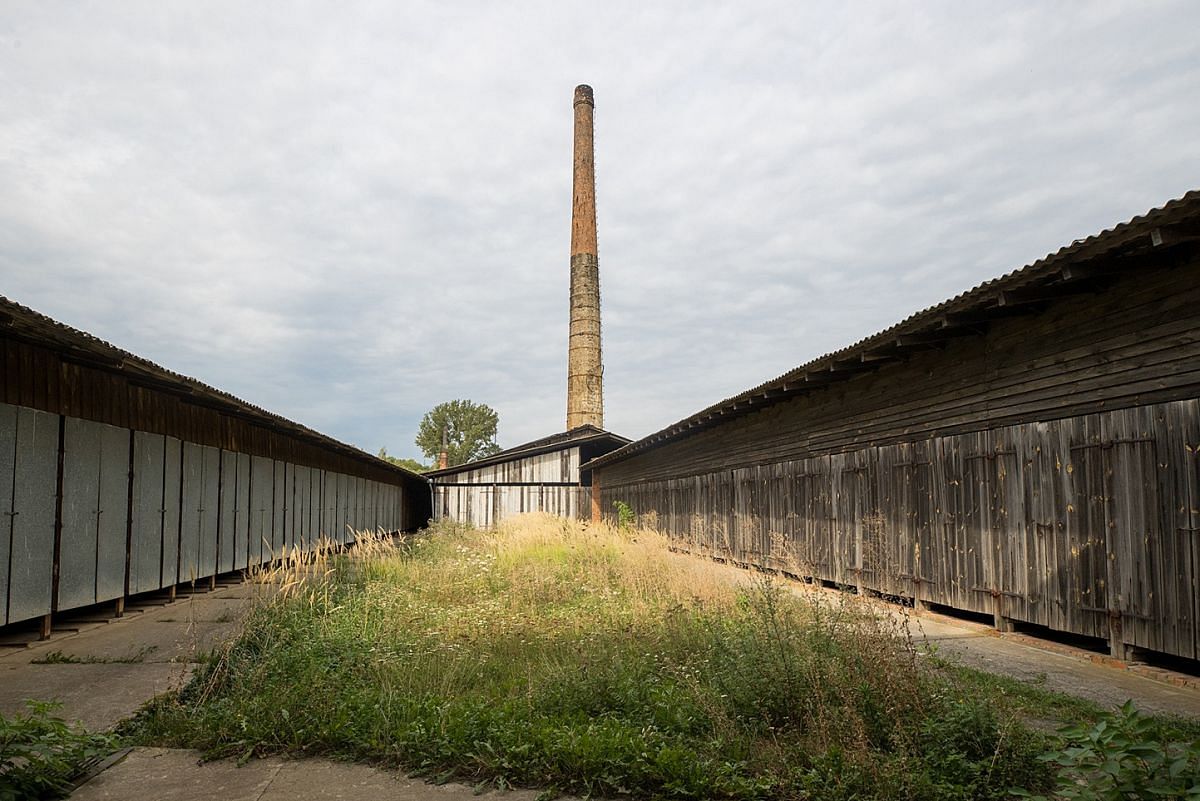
<point x="349" y="215"/>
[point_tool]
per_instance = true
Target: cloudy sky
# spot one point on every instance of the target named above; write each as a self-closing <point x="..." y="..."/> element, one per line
<point x="348" y="213"/>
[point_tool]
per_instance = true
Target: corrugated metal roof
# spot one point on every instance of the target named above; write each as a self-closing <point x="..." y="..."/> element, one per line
<point x="1141" y="233"/>
<point x="576" y="436"/>
<point x="23" y="323"/>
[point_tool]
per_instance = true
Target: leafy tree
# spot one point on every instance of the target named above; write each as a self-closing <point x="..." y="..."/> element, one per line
<point x="407" y="464"/>
<point x="470" y="431"/>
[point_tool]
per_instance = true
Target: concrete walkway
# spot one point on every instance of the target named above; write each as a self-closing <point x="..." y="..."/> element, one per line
<point x="169" y="775"/>
<point x="103" y="670"/>
<point x="1054" y="667"/>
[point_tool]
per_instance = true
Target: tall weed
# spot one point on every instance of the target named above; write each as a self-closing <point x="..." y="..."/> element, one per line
<point x="590" y="659"/>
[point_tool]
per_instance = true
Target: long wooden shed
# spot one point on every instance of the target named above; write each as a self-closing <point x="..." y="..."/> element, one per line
<point x="539" y="476"/>
<point x="1029" y="450"/>
<point x="119" y="477"/>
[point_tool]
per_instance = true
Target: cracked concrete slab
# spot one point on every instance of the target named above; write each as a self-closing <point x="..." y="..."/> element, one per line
<point x="98" y="696"/>
<point x="146" y="639"/>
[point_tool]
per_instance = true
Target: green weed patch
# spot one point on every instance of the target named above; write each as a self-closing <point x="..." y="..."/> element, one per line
<point x="591" y="660"/>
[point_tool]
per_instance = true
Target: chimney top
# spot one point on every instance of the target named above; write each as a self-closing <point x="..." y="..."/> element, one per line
<point x="583" y="94"/>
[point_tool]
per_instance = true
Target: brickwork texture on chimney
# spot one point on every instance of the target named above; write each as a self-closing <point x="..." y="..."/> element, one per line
<point x="585" y="371"/>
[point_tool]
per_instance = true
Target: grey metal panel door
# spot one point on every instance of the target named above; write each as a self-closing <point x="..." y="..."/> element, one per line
<point x="241" y="513"/>
<point x="113" y="518"/>
<point x="328" y="505"/>
<point x="261" y="489"/>
<point x="31" y="558"/>
<point x="80" y="513"/>
<point x="380" y="500"/>
<point x="210" y="499"/>
<point x="312" y="499"/>
<point x="373" y="505"/>
<point x="145" y="555"/>
<point x="299" y="516"/>
<point x="360" y="505"/>
<point x="354" y="509"/>
<point x="304" y="494"/>
<point x="385" y="508"/>
<point x="345" y="504"/>
<point x="172" y="507"/>
<point x="8" y="456"/>
<point x="193" y="512"/>
<point x="227" y="502"/>
<point x="295" y="494"/>
<point x="280" y="507"/>
<point x="397" y="509"/>
<point x="314" y="506"/>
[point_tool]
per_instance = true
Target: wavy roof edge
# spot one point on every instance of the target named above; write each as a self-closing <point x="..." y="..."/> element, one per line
<point x="87" y="347"/>
<point x="989" y="295"/>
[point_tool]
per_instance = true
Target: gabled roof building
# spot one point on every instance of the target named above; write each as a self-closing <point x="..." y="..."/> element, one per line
<point x="544" y="475"/>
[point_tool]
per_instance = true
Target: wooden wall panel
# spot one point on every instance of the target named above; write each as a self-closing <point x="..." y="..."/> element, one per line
<point x="1054" y="365"/>
<point x="1085" y="525"/>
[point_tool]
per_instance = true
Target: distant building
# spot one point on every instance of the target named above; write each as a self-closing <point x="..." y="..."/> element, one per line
<point x="539" y="476"/>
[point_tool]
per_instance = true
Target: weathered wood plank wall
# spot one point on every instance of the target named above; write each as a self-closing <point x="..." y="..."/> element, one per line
<point x="1044" y="471"/>
<point x="1074" y="524"/>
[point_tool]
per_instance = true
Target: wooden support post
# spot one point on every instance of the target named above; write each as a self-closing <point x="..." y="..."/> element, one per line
<point x="171" y="593"/>
<point x="596" y="515"/>
<point x="1117" y="647"/>
<point x="1000" y="622"/>
<point x="119" y="610"/>
<point x="44" y="632"/>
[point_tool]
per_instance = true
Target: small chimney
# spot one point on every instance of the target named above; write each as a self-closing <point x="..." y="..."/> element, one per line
<point x="444" y="453"/>
<point x="585" y="371"/>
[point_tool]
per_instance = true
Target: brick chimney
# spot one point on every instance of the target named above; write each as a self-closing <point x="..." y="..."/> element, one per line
<point x="585" y="372"/>
<point x="444" y="453"/>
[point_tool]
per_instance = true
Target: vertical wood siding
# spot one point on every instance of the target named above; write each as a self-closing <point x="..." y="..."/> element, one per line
<point x="1088" y="524"/>
<point x="547" y="482"/>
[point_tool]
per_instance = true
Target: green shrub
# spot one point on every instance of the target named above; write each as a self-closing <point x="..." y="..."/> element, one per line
<point x="626" y="518"/>
<point x="40" y="754"/>
<point x="1120" y="758"/>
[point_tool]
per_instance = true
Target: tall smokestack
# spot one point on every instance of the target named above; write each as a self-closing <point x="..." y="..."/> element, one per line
<point x="585" y="372"/>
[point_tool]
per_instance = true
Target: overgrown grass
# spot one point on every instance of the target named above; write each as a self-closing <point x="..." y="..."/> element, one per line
<point x="592" y="660"/>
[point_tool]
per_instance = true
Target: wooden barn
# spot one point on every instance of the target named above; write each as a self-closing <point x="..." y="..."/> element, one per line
<point x="119" y="477"/>
<point x="1028" y="450"/>
<point x="540" y="476"/>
